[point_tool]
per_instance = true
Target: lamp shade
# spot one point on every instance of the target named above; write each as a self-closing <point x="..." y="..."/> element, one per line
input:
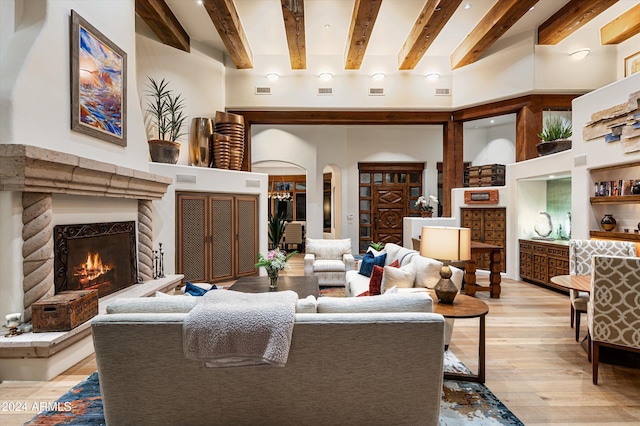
<point x="445" y="243"/>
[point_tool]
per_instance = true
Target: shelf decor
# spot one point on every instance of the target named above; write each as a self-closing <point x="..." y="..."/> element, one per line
<point x="608" y="222"/>
<point x="98" y="84"/>
<point x="617" y="123"/>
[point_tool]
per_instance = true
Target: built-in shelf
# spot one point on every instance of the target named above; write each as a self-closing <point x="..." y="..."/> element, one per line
<point x="615" y="200"/>
<point x="623" y="236"/>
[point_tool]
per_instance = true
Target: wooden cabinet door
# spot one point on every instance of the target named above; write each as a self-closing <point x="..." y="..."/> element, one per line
<point x="222" y="247"/>
<point x="488" y="225"/>
<point x="389" y="208"/>
<point x="191" y="237"/>
<point x="246" y="225"/>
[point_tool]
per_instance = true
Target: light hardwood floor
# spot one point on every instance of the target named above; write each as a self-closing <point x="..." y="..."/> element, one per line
<point x="534" y="364"/>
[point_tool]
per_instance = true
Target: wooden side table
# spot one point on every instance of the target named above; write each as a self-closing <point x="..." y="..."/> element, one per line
<point x="466" y="307"/>
<point x="495" y="256"/>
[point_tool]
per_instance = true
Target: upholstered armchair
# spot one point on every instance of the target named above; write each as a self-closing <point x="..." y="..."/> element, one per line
<point x="614" y="306"/>
<point x="580" y="254"/>
<point x="329" y="260"/>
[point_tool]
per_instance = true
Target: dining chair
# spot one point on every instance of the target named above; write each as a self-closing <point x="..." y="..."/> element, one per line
<point x="580" y="254"/>
<point x="293" y="236"/>
<point x="614" y="306"/>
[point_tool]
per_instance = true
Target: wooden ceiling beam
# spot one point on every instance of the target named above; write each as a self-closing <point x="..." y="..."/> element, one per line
<point x="622" y="28"/>
<point x="363" y="18"/>
<point x="502" y="16"/>
<point x="434" y="16"/>
<point x="569" y="18"/>
<point x="159" y="17"/>
<point x="225" y="18"/>
<point x="293" y="14"/>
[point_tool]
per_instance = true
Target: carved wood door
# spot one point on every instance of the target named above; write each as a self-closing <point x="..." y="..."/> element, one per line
<point x="389" y="207"/>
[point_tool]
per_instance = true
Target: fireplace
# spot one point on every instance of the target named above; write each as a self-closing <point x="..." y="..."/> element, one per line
<point x="98" y="256"/>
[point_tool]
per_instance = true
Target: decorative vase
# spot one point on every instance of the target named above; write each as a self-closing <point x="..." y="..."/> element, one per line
<point x="608" y="222"/>
<point x="543" y="226"/>
<point x="445" y="289"/>
<point x="273" y="279"/>
<point x="635" y="188"/>
<point x="162" y="151"/>
<point x="426" y="213"/>
<point x="201" y="131"/>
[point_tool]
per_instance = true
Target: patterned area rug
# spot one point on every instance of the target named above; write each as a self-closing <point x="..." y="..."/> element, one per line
<point x="463" y="403"/>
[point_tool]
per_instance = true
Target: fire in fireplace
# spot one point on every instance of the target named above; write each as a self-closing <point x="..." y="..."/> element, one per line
<point x="98" y="256"/>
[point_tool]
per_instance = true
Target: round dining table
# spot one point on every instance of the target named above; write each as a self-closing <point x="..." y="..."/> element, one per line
<point x="573" y="282"/>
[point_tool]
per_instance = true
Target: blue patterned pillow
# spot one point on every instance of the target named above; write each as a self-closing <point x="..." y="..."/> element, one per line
<point x="195" y="290"/>
<point x="369" y="261"/>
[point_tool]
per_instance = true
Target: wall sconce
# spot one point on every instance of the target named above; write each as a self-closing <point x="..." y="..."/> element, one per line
<point x="272" y="76"/>
<point x="378" y="76"/>
<point x="326" y="76"/>
<point x="580" y="54"/>
<point x="432" y="76"/>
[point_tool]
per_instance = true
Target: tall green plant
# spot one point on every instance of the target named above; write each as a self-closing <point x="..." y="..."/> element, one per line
<point x="277" y="225"/>
<point x="166" y="110"/>
<point x="555" y="127"/>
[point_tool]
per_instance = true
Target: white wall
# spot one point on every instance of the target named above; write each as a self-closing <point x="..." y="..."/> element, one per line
<point x="490" y="145"/>
<point x="314" y="147"/>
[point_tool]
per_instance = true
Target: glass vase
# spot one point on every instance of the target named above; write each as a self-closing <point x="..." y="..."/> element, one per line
<point x="273" y="279"/>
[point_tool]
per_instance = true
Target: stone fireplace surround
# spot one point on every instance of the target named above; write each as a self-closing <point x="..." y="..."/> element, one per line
<point x="37" y="173"/>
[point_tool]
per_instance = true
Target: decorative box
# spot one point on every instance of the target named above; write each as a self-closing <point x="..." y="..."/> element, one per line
<point x="64" y="311"/>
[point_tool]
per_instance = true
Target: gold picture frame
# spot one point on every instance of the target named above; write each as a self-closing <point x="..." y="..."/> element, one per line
<point x="632" y="64"/>
<point x="98" y="84"/>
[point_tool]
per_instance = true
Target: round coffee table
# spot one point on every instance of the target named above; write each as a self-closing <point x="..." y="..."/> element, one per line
<point x="466" y="307"/>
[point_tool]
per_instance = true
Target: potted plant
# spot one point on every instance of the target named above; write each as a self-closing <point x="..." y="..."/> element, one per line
<point x="167" y="116"/>
<point x="424" y="203"/>
<point x="555" y="135"/>
<point x="277" y="225"/>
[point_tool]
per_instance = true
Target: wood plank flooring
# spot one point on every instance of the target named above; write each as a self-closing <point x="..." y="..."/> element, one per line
<point x="534" y="364"/>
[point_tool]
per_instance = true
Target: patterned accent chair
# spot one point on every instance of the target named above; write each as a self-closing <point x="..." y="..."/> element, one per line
<point x="580" y="254"/>
<point x="329" y="260"/>
<point x="614" y="306"/>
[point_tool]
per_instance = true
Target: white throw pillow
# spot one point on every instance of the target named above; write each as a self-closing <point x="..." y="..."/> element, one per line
<point x="427" y="271"/>
<point x="391" y="290"/>
<point x="306" y="306"/>
<point x="400" y="277"/>
<point x="399" y="302"/>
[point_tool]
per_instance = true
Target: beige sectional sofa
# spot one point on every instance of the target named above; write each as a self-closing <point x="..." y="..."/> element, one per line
<point x="354" y="361"/>
<point x="427" y="275"/>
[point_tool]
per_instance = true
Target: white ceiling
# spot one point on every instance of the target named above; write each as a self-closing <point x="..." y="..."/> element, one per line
<point x="263" y="24"/>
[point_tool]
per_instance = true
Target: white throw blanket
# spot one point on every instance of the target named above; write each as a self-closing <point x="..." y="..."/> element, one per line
<point x="229" y="328"/>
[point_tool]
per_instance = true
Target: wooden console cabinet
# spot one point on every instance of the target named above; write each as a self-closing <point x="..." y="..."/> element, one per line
<point x="542" y="260"/>
<point x="217" y="236"/>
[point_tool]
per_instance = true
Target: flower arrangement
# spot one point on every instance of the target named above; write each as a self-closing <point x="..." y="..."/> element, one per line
<point x="425" y="203"/>
<point x="274" y="262"/>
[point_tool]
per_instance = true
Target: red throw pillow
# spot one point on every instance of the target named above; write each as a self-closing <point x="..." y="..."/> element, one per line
<point x="395" y="263"/>
<point x="375" y="281"/>
<point x="364" y="293"/>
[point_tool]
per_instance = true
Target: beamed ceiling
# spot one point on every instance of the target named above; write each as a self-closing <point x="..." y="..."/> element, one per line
<point x="409" y="30"/>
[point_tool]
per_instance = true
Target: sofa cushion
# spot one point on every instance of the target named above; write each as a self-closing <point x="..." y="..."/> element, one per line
<point x="398" y="302"/>
<point x="328" y="265"/>
<point x="427" y="271"/>
<point x="369" y="261"/>
<point x="375" y="282"/>
<point x="309" y="305"/>
<point x="402" y="277"/>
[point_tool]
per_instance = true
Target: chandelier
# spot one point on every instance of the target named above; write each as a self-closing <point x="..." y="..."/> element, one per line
<point x="280" y="195"/>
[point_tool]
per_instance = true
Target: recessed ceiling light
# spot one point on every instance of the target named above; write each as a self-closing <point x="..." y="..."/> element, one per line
<point x="467" y="6"/>
<point x="326" y="76"/>
<point x="580" y="54"/>
<point x="272" y="76"/>
<point x="432" y="76"/>
<point x="378" y="76"/>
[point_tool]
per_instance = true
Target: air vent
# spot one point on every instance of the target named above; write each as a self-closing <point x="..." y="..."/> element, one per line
<point x="443" y="92"/>
<point x="263" y="90"/>
<point x="376" y="91"/>
<point x="325" y="91"/>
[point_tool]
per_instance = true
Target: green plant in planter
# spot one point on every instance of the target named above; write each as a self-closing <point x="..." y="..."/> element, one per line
<point x="376" y="246"/>
<point x="555" y="128"/>
<point x="167" y="115"/>
<point x="166" y="110"/>
<point x="276" y="227"/>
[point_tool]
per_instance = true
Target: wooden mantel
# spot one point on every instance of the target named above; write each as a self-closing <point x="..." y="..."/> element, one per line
<point x="27" y="168"/>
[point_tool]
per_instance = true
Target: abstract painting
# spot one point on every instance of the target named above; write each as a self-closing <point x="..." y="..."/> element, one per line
<point x="98" y="84"/>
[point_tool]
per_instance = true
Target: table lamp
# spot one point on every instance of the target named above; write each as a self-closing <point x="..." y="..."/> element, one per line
<point x="447" y="245"/>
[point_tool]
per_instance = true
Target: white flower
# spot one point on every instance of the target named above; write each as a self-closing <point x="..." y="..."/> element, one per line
<point x="425" y="204"/>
